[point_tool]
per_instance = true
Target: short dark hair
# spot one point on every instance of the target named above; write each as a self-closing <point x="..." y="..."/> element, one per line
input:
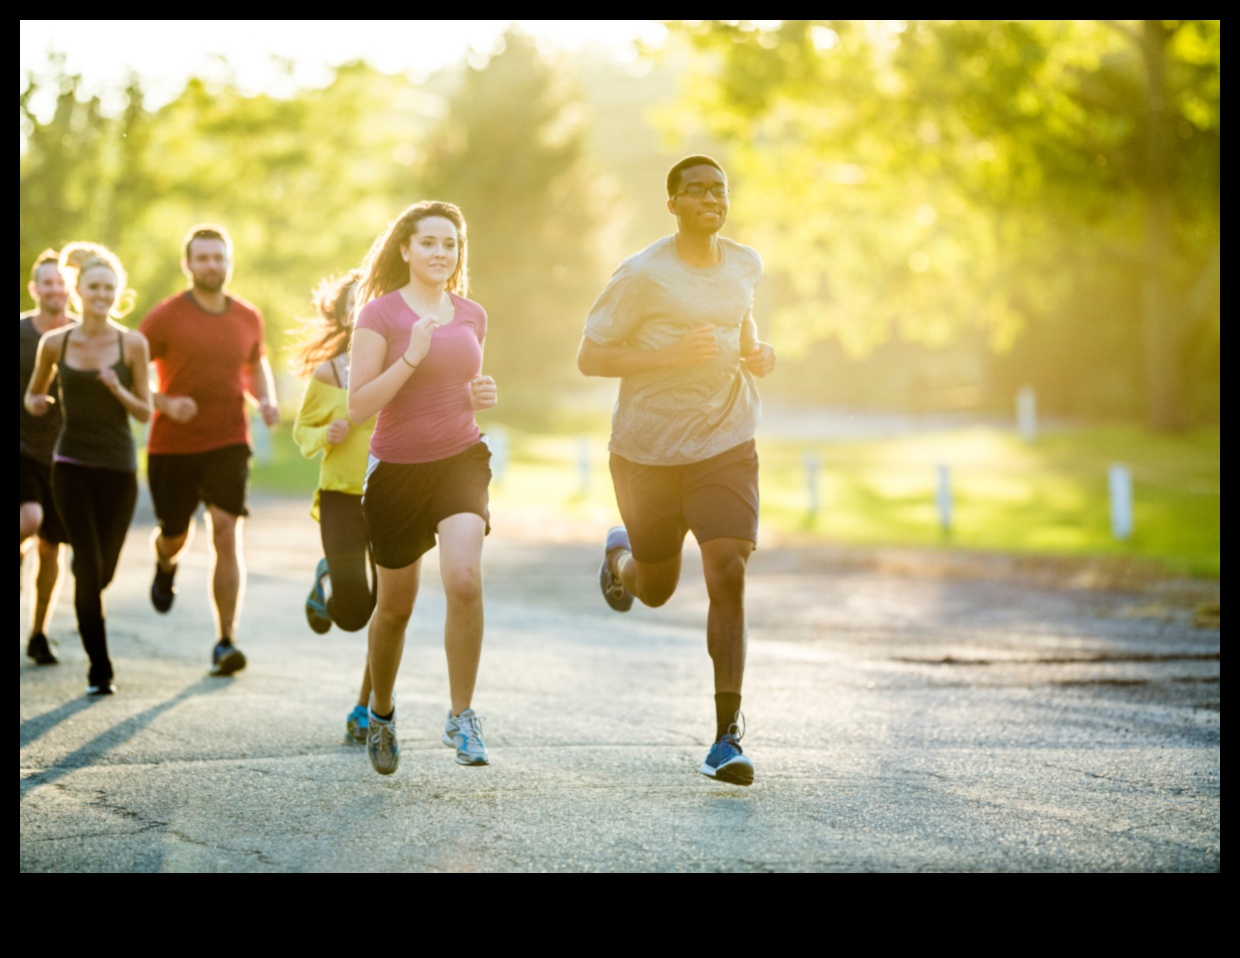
<point x="697" y="159"/>
<point x="49" y="257"/>
<point x="207" y="231"/>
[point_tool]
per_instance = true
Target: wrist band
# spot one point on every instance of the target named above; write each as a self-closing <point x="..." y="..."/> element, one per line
<point x="407" y="363"/>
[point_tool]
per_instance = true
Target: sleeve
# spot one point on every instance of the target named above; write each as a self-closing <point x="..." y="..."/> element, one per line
<point x="152" y="328"/>
<point x="615" y="314"/>
<point x="482" y="326"/>
<point x="313" y="417"/>
<point x="371" y="317"/>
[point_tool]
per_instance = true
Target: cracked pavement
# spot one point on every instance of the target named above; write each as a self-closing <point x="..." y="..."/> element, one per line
<point x="903" y="716"/>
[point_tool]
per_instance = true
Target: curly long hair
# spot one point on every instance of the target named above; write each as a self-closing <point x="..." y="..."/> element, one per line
<point x="383" y="269"/>
<point x="331" y="331"/>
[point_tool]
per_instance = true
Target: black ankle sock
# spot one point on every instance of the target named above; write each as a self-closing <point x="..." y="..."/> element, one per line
<point x="386" y="718"/>
<point x="727" y="704"/>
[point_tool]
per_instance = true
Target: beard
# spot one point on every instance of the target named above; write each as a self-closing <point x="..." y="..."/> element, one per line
<point x="209" y="284"/>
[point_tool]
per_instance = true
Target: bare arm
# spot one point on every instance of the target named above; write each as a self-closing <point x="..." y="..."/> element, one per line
<point x="46" y="360"/>
<point x="757" y="355"/>
<point x="371" y="387"/>
<point x="263" y="390"/>
<point x="696" y="347"/>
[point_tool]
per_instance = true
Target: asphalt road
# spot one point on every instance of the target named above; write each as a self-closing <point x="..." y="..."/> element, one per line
<point x="903" y="715"/>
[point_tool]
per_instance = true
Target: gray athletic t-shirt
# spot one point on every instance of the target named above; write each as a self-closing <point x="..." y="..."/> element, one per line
<point x="670" y="417"/>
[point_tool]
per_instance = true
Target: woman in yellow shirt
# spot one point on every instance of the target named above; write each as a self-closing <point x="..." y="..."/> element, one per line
<point x="344" y="582"/>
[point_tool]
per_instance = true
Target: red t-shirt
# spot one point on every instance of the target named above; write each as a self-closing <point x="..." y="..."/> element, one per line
<point x="205" y="356"/>
<point x="432" y="416"/>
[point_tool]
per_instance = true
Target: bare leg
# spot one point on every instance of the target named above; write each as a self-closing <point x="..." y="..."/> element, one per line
<point x="227" y="570"/>
<point x="46" y="584"/>
<point x="30" y="517"/>
<point x="651" y="582"/>
<point x="168" y="549"/>
<point x="460" y="564"/>
<point x="363" y="695"/>
<point x="398" y="589"/>
<point x="723" y="563"/>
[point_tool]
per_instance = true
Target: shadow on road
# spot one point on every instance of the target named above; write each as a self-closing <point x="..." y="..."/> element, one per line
<point x="99" y="746"/>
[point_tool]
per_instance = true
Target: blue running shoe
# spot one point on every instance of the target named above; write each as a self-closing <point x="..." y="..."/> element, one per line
<point x="316" y="601"/>
<point x="381" y="743"/>
<point x="726" y="762"/>
<point x="226" y="659"/>
<point x="356" y="725"/>
<point x="617" y="596"/>
<point x="464" y="733"/>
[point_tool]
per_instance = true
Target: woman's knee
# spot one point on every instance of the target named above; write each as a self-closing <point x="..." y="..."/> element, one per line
<point x="463" y="586"/>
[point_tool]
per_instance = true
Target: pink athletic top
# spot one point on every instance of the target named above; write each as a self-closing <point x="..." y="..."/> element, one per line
<point x="432" y="417"/>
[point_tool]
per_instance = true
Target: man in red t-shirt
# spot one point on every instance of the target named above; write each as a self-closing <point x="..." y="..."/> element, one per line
<point x="207" y="350"/>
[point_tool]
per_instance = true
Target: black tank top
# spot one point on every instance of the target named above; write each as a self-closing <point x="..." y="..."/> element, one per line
<point x="96" y="430"/>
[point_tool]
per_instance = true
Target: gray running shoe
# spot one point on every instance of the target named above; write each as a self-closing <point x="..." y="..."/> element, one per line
<point x="381" y="743"/>
<point x="464" y="733"/>
<point x="617" y="596"/>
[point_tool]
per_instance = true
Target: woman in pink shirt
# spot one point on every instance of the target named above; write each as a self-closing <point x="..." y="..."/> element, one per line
<point x="416" y="362"/>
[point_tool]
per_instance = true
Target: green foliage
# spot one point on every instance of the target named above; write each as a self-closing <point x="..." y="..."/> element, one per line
<point x="1018" y="179"/>
<point x="512" y="155"/>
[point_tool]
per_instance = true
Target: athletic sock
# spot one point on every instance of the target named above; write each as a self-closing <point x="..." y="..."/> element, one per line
<point x="727" y="704"/>
<point x="386" y="718"/>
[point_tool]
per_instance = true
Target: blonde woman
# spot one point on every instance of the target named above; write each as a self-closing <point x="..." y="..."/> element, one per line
<point x="101" y="368"/>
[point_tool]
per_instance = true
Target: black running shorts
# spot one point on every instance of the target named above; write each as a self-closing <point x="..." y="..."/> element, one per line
<point x="34" y="484"/>
<point x="404" y="503"/>
<point x="716" y="498"/>
<point x="181" y="482"/>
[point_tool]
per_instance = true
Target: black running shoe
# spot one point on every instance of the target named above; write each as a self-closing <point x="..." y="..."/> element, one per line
<point x="226" y="659"/>
<point x="617" y="596"/>
<point x="41" y="650"/>
<point x="162" y="591"/>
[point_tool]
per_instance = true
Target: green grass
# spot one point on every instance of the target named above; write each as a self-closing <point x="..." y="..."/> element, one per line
<point x="1046" y="497"/>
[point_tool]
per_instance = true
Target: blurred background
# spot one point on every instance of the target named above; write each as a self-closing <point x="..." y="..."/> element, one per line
<point x="993" y="248"/>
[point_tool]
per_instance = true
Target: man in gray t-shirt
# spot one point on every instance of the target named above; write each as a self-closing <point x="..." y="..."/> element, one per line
<point x="675" y="325"/>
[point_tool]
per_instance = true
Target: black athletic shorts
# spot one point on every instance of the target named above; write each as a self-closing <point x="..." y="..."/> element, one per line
<point x="716" y="498"/>
<point x="181" y="482"/>
<point x="404" y="503"/>
<point x="34" y="484"/>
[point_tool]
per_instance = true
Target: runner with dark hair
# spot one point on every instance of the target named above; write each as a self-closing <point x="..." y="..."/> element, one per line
<point x="675" y="324"/>
<point x="38" y="519"/>
<point x="207" y="348"/>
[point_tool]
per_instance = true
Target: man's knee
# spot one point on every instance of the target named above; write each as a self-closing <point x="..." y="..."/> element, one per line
<point x="724" y="562"/>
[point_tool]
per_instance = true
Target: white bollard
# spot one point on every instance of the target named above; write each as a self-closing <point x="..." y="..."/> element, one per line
<point x="1120" y="481"/>
<point x="497" y="442"/>
<point x="1027" y="413"/>
<point x="260" y="436"/>
<point x="812" y="466"/>
<point x="583" y="465"/>
<point x="944" y="499"/>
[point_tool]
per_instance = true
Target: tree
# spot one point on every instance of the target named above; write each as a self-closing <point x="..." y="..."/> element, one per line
<point x="929" y="177"/>
<point x="511" y="153"/>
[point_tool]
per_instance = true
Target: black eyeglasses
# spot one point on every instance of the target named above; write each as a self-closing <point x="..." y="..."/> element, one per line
<point x="697" y="192"/>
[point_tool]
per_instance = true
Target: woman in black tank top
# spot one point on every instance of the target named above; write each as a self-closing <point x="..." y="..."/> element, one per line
<point x="103" y="382"/>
